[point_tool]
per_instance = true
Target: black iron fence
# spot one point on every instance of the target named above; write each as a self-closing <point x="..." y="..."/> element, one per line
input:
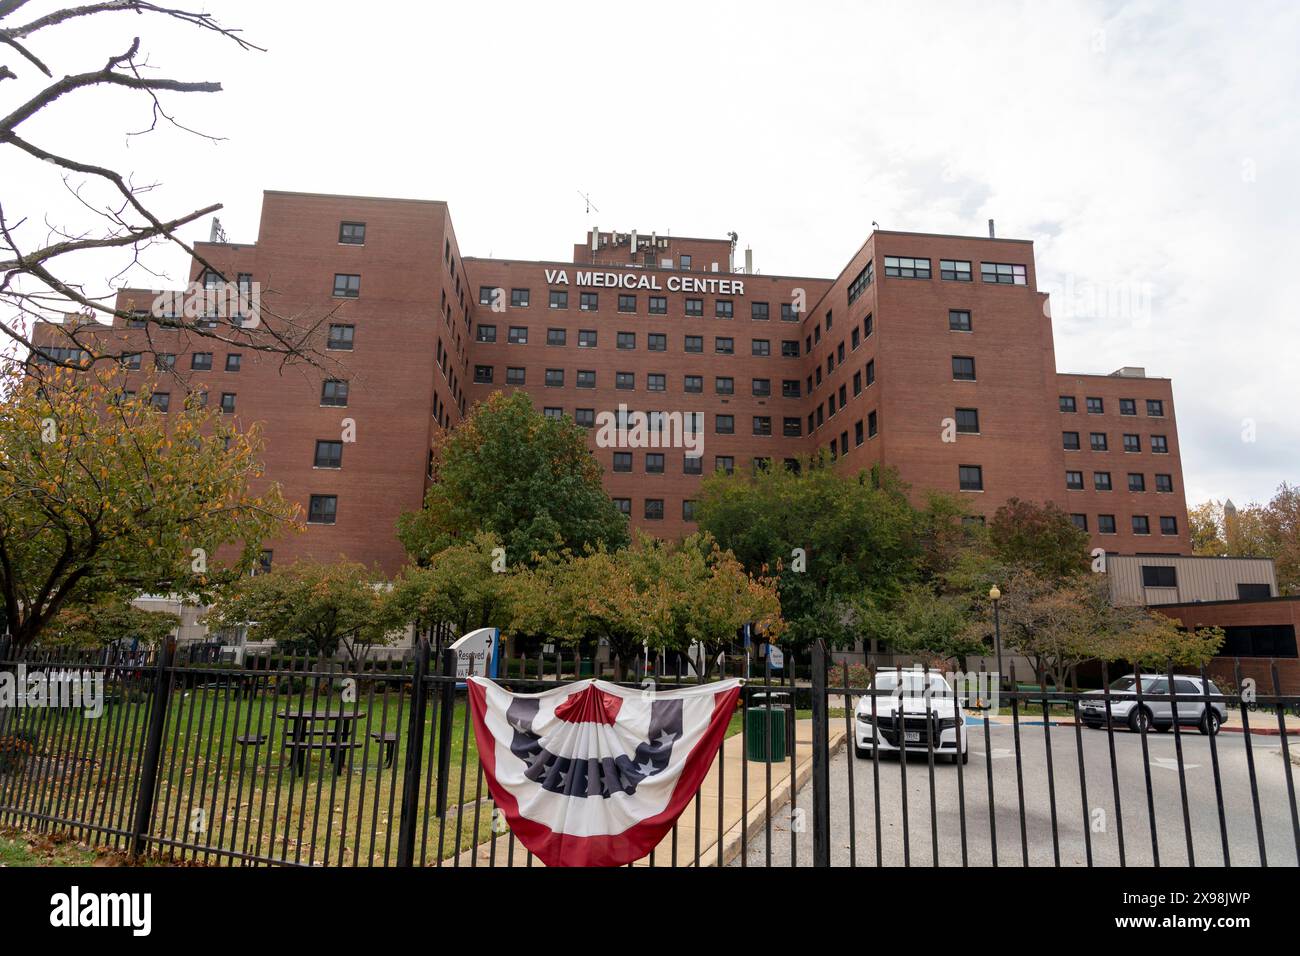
<point x="302" y="761"/>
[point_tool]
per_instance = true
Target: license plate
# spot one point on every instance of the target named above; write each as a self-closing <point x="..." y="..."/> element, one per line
<point x="912" y="736"/>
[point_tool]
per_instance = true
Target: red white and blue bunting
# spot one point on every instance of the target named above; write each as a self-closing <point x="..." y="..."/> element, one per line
<point x="593" y="774"/>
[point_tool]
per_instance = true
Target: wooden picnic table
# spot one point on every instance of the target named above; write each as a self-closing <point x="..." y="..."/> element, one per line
<point x="329" y="730"/>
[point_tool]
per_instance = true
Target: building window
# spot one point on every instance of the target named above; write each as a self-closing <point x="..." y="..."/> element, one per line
<point x="684" y="262"/>
<point x="486" y="294"/>
<point x="855" y="338"/>
<point x="790" y="348"/>
<point x="340" y="338"/>
<point x="622" y="461"/>
<point x="1080" y="521"/>
<point x="1074" y="480"/>
<point x="724" y="385"/>
<point x="625" y="381"/>
<point x="654" y="509"/>
<point x="724" y="424"/>
<point x="959" y="320"/>
<point x="791" y="427"/>
<point x="963" y="368"/>
<point x="352" y="233"/>
<point x="725" y="464"/>
<point x="329" y="454"/>
<point x="234" y="361"/>
<point x="970" y="477"/>
<point x="1137" y="481"/>
<point x="871" y="372"/>
<point x="868" y="326"/>
<point x="758" y="311"/>
<point x="559" y="299"/>
<point x="201" y="361"/>
<point x="588" y="301"/>
<point x="1097" y="441"/>
<point x="724" y="309"/>
<point x="556" y="336"/>
<point x="695" y="307"/>
<point x="624" y="505"/>
<point x="656" y="382"/>
<point x="658" y="305"/>
<point x="860" y="282"/>
<point x="586" y="417"/>
<point x="1002" y="273"/>
<point x="1169" y="525"/>
<point x="654" y="463"/>
<point x="1105" y="524"/>
<point x="1101" y="481"/>
<point x="656" y="342"/>
<point x="131" y="361"/>
<point x="518" y="335"/>
<point x="968" y="421"/>
<point x="1155" y="408"/>
<point x="1128" y="406"/>
<point x="760" y="387"/>
<point x="692" y="465"/>
<point x="1067" y="404"/>
<point x="760" y="347"/>
<point x="872" y="428"/>
<point x="586" y="378"/>
<point x="228" y="403"/>
<point x="347" y="286"/>
<point x="724" y="345"/>
<point x="483" y="374"/>
<point x="907" y="267"/>
<point x="955" y="270"/>
<point x="1164" y="483"/>
<point x="519" y="298"/>
<point x="555" y="378"/>
<point x="1159" y="445"/>
<point x="1157" y="576"/>
<point x="694" y="343"/>
<point x="514" y="376"/>
<point x="323" y="509"/>
<point x="553" y="412"/>
<point x="1141" y="524"/>
<point x="1095" y="406"/>
<point x="334" y="392"/>
<point x="788" y="313"/>
<point x="161" y="401"/>
<point x="627" y="303"/>
<point x="486" y="333"/>
<point x="762" y="425"/>
<point x="1070" y="441"/>
<point x="693" y="384"/>
<point x="162" y="361"/>
<point x="1132" y="443"/>
<point x="625" y="340"/>
<point x="859" y="436"/>
<point x="688" y="510"/>
<point x="790" y="388"/>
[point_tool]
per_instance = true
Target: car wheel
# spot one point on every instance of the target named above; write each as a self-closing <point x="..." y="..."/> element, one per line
<point x="1210" y="722"/>
<point x="965" y="757"/>
<point x="1140" y="720"/>
<point x="1163" y="728"/>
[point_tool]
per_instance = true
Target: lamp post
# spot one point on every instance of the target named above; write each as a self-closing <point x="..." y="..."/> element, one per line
<point x="995" y="596"/>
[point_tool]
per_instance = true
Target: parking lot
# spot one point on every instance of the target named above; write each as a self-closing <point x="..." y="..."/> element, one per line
<point x="919" y="842"/>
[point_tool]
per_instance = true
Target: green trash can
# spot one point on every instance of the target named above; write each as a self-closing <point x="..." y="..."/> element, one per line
<point x="766" y="713"/>
<point x="586" y="667"/>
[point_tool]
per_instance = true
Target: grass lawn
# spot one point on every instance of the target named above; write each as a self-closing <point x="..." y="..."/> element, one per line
<point x="18" y="848"/>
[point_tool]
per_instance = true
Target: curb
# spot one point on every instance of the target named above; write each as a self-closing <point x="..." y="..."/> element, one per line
<point x="1223" y="728"/>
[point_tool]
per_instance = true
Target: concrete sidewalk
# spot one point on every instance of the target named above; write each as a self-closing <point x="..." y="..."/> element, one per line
<point x="725" y="775"/>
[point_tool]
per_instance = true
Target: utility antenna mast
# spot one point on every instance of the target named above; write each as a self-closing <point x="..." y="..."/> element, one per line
<point x="587" y="199"/>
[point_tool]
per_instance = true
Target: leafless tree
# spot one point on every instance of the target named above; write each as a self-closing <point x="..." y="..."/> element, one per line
<point x="36" y="283"/>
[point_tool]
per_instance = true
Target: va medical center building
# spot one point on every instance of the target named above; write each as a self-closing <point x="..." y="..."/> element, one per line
<point x="930" y="354"/>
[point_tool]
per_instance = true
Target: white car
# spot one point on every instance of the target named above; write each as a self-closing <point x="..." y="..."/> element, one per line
<point x="930" y="716"/>
<point x="1155" y="714"/>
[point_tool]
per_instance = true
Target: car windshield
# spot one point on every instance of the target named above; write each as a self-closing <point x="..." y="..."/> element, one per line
<point x="1127" y="684"/>
<point x="913" y="682"/>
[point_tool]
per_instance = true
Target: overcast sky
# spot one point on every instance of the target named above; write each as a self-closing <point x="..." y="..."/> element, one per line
<point x="1148" y="149"/>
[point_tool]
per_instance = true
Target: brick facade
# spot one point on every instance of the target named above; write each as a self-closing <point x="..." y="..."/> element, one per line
<point x="427" y="325"/>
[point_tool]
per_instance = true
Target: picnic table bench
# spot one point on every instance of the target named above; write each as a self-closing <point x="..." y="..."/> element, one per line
<point x="327" y="731"/>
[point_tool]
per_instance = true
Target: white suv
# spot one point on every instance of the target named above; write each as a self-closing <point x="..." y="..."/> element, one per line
<point x="917" y="711"/>
<point x="1158" y="714"/>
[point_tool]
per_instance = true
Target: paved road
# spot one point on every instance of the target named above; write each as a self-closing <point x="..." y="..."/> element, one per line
<point x="916" y="842"/>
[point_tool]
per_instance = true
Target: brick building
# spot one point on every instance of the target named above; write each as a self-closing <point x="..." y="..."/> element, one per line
<point x="929" y="353"/>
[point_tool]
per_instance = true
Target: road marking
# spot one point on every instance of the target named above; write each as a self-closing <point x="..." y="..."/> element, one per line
<point x="997" y="753"/>
<point x="1170" y="763"/>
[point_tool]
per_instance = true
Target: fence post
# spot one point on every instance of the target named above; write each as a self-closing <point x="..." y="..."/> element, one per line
<point x="447" y="714"/>
<point x="821" y="759"/>
<point x="144" y="798"/>
<point x="414" y="759"/>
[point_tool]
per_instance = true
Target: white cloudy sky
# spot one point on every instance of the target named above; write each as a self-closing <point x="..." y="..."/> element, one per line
<point x="1149" y="150"/>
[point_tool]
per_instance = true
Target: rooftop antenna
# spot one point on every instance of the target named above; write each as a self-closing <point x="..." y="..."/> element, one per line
<point x="218" y="234"/>
<point x="874" y="224"/>
<point x="587" y="199"/>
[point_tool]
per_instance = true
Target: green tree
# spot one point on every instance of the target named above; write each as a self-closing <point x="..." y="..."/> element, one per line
<point x="832" y="542"/>
<point x="311" y="607"/>
<point x="1154" y="641"/>
<point x="459" y="586"/>
<point x="530" y="480"/>
<point x="101" y="493"/>
<point x="110" y="619"/>
<point x="933" y="627"/>
<point x="1041" y="538"/>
